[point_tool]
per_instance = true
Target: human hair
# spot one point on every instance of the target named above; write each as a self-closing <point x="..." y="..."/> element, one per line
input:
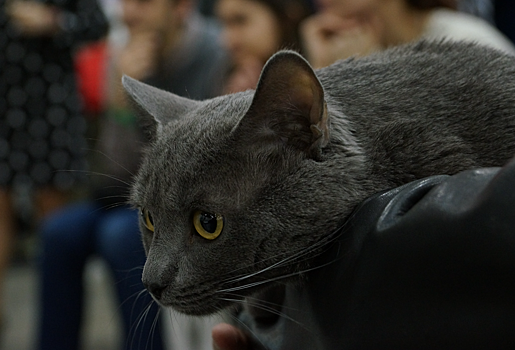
<point x="429" y="4"/>
<point x="289" y="14"/>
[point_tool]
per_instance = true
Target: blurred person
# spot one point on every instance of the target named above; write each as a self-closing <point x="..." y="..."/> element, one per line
<point x="345" y="28"/>
<point x="253" y="30"/>
<point x="41" y="123"/>
<point x="171" y="47"/>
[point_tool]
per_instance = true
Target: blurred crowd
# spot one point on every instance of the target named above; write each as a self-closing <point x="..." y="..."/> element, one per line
<point x="70" y="143"/>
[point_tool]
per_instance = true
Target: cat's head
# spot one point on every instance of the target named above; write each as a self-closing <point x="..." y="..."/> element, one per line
<point x="230" y="189"/>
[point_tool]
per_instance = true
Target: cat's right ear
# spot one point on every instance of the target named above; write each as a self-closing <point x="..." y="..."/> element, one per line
<point x="156" y="107"/>
<point x="288" y="107"/>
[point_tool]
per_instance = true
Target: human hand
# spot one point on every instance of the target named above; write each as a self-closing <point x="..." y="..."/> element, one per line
<point x="140" y="57"/>
<point x="244" y="76"/>
<point x="227" y="337"/>
<point x="328" y="38"/>
<point x="33" y="18"/>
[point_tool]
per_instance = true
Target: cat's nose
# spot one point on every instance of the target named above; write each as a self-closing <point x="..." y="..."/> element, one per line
<point x="156" y="290"/>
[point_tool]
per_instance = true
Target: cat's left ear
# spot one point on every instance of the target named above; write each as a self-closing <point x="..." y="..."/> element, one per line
<point x="158" y="107"/>
<point x="289" y="106"/>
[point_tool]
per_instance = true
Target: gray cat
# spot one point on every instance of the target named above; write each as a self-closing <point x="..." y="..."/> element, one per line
<point x="241" y="191"/>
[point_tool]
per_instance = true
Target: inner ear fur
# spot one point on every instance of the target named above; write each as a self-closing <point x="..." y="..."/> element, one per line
<point x="289" y="106"/>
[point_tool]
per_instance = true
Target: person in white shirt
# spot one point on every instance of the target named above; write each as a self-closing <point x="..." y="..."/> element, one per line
<point x="348" y="28"/>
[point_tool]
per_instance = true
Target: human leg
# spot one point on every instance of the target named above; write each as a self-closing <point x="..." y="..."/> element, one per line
<point x="66" y="241"/>
<point x="120" y="244"/>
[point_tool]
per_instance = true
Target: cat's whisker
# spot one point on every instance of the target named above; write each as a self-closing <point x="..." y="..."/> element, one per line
<point x="141" y="335"/>
<point x="89" y="172"/>
<point x="247" y="328"/>
<point x="271" y="304"/>
<point x="135" y="295"/>
<point x="153" y="329"/>
<point x="119" y="187"/>
<point x="293" y="258"/>
<point x="129" y="341"/>
<point x="139" y="295"/>
<point x="142" y="318"/>
<point x="271" y="310"/>
<point x="113" y="160"/>
<point x="137" y="268"/>
<point x="289" y="255"/>
<point x="114" y="205"/>
<point x="274" y="279"/>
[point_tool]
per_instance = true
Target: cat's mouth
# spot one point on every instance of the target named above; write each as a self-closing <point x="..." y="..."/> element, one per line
<point x="197" y="303"/>
<point x="264" y="305"/>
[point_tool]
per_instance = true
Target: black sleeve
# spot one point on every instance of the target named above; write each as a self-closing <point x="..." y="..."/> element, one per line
<point x="429" y="265"/>
<point x="504" y="13"/>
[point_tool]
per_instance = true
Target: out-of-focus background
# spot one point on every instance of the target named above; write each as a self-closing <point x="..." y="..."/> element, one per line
<point x="63" y="233"/>
<point x="101" y="324"/>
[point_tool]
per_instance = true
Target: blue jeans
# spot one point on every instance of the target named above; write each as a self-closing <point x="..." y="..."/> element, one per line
<point x="69" y="237"/>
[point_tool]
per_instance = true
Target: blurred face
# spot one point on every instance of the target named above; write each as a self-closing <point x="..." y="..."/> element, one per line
<point x="250" y="29"/>
<point x="146" y="15"/>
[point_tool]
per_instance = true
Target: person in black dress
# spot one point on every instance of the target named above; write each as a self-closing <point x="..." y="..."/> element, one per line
<point x="42" y="143"/>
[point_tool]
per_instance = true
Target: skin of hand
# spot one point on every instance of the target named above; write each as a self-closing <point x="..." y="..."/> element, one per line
<point x="244" y="76"/>
<point x="328" y="37"/>
<point x="33" y="18"/>
<point x="138" y="59"/>
<point x="227" y="337"/>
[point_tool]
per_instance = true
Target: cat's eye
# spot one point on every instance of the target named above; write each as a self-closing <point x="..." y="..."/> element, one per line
<point x="208" y="225"/>
<point x="147" y="219"/>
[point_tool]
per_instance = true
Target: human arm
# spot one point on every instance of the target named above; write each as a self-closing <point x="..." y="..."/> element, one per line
<point x="138" y="59"/>
<point x="244" y="76"/>
<point x="229" y="337"/>
<point x="327" y="38"/>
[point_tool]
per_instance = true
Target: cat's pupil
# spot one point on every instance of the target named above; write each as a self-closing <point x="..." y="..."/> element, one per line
<point x="208" y="222"/>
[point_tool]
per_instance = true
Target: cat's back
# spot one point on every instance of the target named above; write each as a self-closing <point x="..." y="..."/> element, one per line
<point x="427" y="100"/>
<point x="414" y="77"/>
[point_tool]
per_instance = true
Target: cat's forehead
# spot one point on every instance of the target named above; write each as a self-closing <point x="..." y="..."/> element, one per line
<point x="191" y="148"/>
<point x="213" y="118"/>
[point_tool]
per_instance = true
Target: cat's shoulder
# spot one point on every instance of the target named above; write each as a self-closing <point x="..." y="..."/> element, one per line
<point x="445" y="51"/>
<point x="438" y="61"/>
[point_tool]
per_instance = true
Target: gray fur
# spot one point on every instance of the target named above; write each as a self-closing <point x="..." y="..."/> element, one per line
<point x="285" y="169"/>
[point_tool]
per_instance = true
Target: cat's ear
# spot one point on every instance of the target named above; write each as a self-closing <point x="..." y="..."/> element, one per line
<point x="289" y="106"/>
<point x="157" y="106"/>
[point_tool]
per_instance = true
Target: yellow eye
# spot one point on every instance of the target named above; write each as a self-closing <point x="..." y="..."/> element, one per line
<point x="147" y="219"/>
<point x="208" y="225"/>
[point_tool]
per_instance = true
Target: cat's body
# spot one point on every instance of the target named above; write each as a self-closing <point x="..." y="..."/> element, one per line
<point x="284" y="169"/>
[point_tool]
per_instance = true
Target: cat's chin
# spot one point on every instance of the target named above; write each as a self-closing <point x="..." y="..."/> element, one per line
<point x="208" y="308"/>
<point x="264" y="305"/>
